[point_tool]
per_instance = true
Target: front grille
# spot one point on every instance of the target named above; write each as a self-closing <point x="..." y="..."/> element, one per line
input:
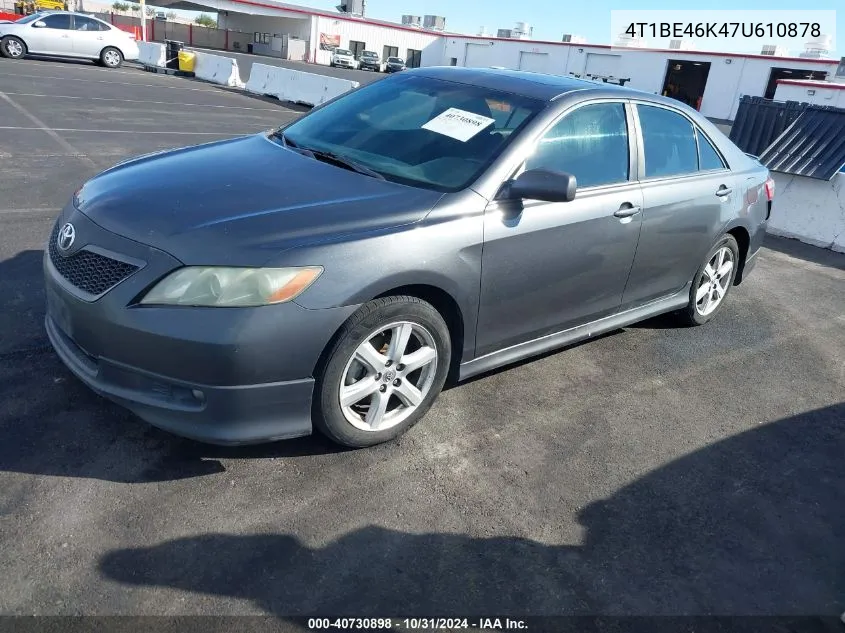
<point x="90" y="272"/>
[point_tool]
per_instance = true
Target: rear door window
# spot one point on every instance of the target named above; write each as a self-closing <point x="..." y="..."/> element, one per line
<point x="668" y="142"/>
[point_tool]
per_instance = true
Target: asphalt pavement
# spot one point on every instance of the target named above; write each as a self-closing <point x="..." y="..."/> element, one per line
<point x="657" y="470"/>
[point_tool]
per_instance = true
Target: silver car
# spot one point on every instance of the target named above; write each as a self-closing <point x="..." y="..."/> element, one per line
<point x="67" y="34"/>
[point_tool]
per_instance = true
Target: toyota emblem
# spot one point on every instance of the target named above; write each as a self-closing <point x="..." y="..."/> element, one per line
<point x="66" y="237"/>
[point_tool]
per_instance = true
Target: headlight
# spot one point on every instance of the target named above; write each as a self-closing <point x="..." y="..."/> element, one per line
<point x="231" y="287"/>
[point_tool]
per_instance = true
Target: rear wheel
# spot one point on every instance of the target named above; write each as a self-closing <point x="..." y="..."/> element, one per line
<point x="712" y="282"/>
<point x="383" y="373"/>
<point x="12" y="47"/>
<point x="111" y="57"/>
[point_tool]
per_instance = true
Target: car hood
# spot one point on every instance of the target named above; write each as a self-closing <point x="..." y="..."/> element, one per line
<point x="242" y="201"/>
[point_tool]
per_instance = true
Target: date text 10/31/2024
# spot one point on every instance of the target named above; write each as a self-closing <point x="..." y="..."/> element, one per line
<point x="409" y="624"/>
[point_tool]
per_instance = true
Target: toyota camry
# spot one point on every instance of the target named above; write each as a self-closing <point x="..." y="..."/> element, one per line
<point x="333" y="273"/>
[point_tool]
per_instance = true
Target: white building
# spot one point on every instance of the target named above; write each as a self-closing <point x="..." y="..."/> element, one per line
<point x="712" y="82"/>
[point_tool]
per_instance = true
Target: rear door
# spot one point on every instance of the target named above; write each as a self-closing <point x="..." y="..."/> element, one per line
<point x="53" y="38"/>
<point x="689" y="194"/>
<point x="88" y="37"/>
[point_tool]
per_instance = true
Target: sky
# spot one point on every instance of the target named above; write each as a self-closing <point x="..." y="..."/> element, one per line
<point x="552" y="18"/>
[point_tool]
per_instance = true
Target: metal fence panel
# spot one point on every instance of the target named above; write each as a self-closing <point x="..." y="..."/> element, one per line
<point x="813" y="146"/>
<point x="760" y="121"/>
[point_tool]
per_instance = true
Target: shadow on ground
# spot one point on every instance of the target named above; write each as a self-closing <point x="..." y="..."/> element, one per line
<point x="754" y="524"/>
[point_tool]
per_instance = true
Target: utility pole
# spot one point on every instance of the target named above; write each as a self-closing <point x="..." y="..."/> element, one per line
<point x="143" y="21"/>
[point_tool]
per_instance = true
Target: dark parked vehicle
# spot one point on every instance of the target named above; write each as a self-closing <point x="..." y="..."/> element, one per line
<point x="394" y="65"/>
<point x="369" y="60"/>
<point x="439" y="223"/>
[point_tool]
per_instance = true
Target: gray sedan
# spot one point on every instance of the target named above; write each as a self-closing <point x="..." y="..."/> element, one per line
<point x="67" y="34"/>
<point x="335" y="273"/>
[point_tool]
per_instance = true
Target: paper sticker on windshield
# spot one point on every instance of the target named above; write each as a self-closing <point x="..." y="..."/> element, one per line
<point x="458" y="124"/>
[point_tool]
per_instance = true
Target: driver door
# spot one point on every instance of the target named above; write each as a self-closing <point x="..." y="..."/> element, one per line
<point x="549" y="266"/>
<point x="52" y="39"/>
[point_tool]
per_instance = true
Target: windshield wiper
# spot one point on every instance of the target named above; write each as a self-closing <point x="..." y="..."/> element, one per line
<point x="330" y="157"/>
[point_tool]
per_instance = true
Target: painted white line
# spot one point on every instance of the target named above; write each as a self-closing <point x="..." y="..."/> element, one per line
<point x="41" y="63"/>
<point x="118" y="83"/>
<point x="52" y="133"/>
<point x="28" y="211"/>
<point x="69" y="129"/>
<point x="171" y="103"/>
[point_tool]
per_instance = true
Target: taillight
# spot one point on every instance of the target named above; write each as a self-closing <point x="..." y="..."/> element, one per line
<point x="770" y="189"/>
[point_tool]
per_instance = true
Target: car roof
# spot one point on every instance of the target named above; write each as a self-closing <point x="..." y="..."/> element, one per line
<point x="528" y="84"/>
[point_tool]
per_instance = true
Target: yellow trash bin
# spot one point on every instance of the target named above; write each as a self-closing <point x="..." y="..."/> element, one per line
<point x="186" y="61"/>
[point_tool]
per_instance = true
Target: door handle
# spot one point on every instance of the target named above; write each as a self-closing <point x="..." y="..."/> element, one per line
<point x="627" y="211"/>
<point x="723" y="191"/>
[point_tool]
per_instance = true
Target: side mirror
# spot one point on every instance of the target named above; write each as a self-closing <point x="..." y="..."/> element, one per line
<point x="543" y="184"/>
<point x="39" y="25"/>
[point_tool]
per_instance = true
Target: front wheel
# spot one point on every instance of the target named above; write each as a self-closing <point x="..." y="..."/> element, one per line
<point x="712" y="282"/>
<point x="111" y="57"/>
<point x="383" y="373"/>
<point x="12" y="47"/>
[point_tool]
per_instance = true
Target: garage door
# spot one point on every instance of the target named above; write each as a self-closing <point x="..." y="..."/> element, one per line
<point x="477" y="56"/>
<point x="603" y="65"/>
<point x="534" y="62"/>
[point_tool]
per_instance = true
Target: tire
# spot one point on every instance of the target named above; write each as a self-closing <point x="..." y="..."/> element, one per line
<point x="385" y="381"/>
<point x="110" y="57"/>
<point x="706" y="288"/>
<point x="12" y="47"/>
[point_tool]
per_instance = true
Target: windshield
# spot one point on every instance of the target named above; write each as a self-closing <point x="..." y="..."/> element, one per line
<point x="369" y="54"/>
<point x="342" y="51"/>
<point x="395" y="60"/>
<point x="30" y="18"/>
<point x="418" y="131"/>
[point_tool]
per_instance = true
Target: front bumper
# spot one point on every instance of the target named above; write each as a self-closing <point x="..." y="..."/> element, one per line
<point x="219" y="375"/>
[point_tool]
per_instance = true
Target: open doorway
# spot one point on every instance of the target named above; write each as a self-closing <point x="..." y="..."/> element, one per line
<point x="789" y="73"/>
<point x="685" y="81"/>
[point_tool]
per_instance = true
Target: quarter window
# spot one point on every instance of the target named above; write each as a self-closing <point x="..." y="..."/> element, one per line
<point x="590" y="143"/>
<point x="668" y="143"/>
<point x="708" y="157"/>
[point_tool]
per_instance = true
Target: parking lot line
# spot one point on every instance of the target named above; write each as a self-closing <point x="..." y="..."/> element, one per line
<point x="101" y="131"/>
<point x="115" y="83"/>
<point x="171" y="103"/>
<point x="52" y="133"/>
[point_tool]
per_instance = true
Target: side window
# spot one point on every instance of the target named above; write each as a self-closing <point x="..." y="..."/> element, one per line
<point x="591" y="143"/>
<point x="57" y="21"/>
<point x="85" y="24"/>
<point x="708" y="157"/>
<point x="668" y="143"/>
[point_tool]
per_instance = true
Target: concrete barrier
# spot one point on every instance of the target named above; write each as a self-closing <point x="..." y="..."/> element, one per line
<point x="296" y="86"/>
<point x="217" y="69"/>
<point x="810" y="210"/>
<point x="151" y="54"/>
<point x="262" y="80"/>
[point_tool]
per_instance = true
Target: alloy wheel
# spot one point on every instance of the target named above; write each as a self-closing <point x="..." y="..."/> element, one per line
<point x="111" y="58"/>
<point x="714" y="281"/>
<point x="14" y="48"/>
<point x="389" y="376"/>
